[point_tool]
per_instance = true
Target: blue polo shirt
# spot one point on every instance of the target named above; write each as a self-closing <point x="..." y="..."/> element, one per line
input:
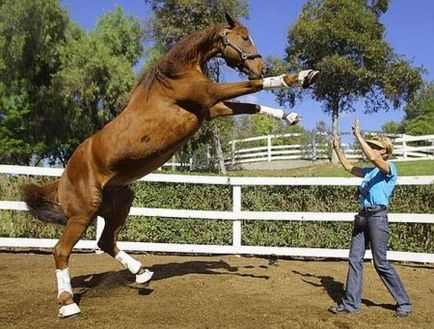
<point x="377" y="186"/>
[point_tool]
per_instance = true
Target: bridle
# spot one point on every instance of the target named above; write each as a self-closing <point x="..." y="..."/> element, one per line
<point x="243" y="55"/>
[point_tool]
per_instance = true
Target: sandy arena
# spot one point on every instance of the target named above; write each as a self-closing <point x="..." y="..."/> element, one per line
<point x="204" y="292"/>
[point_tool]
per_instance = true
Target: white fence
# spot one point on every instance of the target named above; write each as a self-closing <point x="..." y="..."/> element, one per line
<point x="236" y="215"/>
<point x="406" y="148"/>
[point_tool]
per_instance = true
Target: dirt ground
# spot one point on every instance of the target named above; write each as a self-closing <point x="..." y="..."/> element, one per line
<point x="204" y="292"/>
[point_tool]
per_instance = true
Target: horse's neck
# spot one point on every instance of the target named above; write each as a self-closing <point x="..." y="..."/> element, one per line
<point x="198" y="48"/>
<point x="190" y="53"/>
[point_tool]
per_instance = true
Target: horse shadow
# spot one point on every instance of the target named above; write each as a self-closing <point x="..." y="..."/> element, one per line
<point x="335" y="289"/>
<point x="85" y="284"/>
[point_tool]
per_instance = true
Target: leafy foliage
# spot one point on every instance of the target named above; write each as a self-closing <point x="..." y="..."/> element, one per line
<point x="59" y="84"/>
<point x="30" y="33"/>
<point x="172" y="20"/>
<point x="96" y="76"/>
<point x="420" y="113"/>
<point x="391" y="127"/>
<point x="345" y="41"/>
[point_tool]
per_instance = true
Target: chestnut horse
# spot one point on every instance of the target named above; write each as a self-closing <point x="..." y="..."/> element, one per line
<point x="167" y="106"/>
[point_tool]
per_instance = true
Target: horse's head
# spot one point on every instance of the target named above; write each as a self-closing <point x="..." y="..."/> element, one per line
<point x="239" y="51"/>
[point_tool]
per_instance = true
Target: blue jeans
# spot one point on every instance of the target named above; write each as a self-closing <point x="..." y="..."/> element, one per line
<point x="376" y="232"/>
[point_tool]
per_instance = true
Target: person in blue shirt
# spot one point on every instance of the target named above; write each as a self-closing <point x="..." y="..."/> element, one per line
<point x="371" y="223"/>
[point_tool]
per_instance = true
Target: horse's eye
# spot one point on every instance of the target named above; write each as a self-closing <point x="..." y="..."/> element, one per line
<point x="245" y="38"/>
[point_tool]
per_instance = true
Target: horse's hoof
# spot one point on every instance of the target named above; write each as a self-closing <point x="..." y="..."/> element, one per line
<point x="308" y="77"/>
<point x="69" y="310"/>
<point x="292" y="118"/>
<point x="144" y="277"/>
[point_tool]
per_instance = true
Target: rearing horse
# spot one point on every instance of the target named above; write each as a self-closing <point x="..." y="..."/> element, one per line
<point x="167" y="106"/>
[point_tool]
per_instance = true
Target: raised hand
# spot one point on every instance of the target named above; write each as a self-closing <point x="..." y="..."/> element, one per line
<point x="334" y="140"/>
<point x="356" y="128"/>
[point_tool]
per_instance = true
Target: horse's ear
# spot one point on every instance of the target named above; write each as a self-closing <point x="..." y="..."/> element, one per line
<point x="231" y="21"/>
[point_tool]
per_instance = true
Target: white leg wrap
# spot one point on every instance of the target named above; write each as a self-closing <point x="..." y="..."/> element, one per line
<point x="63" y="282"/>
<point x="278" y="114"/>
<point x="128" y="262"/>
<point x="274" y="82"/>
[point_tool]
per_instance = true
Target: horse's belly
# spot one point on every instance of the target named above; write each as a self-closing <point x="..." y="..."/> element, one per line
<point x="135" y="155"/>
<point x="139" y="141"/>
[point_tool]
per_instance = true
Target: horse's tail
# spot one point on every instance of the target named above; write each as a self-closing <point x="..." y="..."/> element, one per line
<point x="41" y="201"/>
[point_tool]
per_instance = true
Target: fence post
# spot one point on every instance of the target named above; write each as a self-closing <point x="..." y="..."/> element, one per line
<point x="233" y="154"/>
<point x="313" y="146"/>
<point x="432" y="144"/>
<point x="269" y="147"/>
<point x="404" y="146"/>
<point x="208" y="157"/>
<point x="100" y="223"/>
<point x="236" y="225"/>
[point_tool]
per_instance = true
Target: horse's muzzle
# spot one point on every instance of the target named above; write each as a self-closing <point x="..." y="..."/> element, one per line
<point x="257" y="75"/>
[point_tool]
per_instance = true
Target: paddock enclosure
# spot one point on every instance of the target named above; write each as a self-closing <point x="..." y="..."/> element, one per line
<point x="276" y="290"/>
<point x="204" y="292"/>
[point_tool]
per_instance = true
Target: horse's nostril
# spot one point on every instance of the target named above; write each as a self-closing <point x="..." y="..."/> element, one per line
<point x="263" y="72"/>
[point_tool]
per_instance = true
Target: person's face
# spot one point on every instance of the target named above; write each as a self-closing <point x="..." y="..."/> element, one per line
<point x="378" y="150"/>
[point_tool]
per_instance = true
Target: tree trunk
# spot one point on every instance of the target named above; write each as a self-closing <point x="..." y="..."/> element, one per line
<point x="335" y="127"/>
<point x="219" y="151"/>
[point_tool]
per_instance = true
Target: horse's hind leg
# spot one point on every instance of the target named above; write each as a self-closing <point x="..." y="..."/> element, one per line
<point x="80" y="211"/>
<point x="75" y="228"/>
<point x="117" y="206"/>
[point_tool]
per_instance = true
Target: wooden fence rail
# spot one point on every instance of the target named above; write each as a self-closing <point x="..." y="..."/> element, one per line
<point x="270" y="148"/>
<point x="236" y="215"/>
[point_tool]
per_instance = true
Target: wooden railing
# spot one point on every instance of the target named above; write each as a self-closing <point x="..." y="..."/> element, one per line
<point x="236" y="215"/>
<point x="406" y="148"/>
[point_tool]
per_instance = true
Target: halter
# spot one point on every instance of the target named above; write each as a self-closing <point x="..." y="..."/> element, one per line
<point x="243" y="55"/>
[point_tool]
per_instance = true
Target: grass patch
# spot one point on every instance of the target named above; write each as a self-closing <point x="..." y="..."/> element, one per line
<point x="410" y="168"/>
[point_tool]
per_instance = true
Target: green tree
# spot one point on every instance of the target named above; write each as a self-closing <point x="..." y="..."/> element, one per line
<point x="344" y="39"/>
<point x="30" y="34"/>
<point x="96" y="76"/>
<point x="59" y="84"/>
<point x="172" y="20"/>
<point x="391" y="127"/>
<point x="419" y="116"/>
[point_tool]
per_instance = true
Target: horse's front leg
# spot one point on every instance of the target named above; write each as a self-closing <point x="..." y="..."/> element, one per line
<point x="115" y="215"/>
<point x="232" y="108"/>
<point x="224" y="91"/>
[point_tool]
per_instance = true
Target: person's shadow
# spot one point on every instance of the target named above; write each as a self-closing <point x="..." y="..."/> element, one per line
<point x="333" y="288"/>
<point x="84" y="284"/>
<point x="336" y="290"/>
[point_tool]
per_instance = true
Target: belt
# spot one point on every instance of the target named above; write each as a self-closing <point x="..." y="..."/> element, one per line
<point x="374" y="208"/>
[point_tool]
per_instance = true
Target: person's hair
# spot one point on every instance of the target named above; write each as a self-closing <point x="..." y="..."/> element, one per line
<point x="384" y="142"/>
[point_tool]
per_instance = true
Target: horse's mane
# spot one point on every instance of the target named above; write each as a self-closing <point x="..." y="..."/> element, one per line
<point x="179" y="57"/>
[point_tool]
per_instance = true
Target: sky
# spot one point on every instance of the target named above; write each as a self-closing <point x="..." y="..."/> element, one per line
<point x="409" y="31"/>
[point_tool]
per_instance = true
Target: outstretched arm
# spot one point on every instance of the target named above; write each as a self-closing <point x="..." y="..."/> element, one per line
<point x="375" y="157"/>
<point x="348" y="166"/>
